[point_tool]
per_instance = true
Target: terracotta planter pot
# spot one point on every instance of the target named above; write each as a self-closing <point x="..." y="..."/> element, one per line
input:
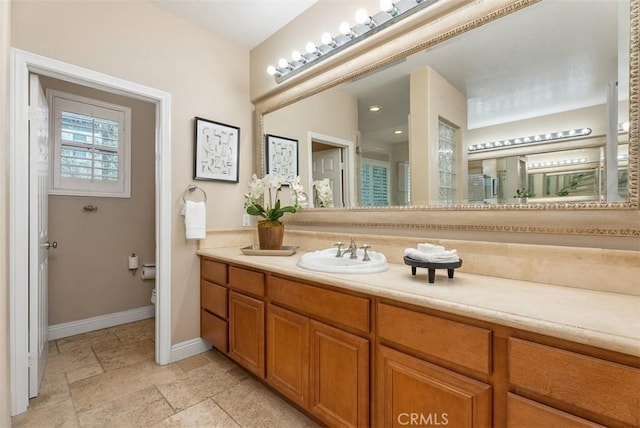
<point x="270" y="234"/>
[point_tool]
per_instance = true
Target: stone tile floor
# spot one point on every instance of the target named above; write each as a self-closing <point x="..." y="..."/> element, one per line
<point x="108" y="378"/>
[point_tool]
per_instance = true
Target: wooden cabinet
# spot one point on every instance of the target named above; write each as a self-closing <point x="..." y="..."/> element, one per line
<point x="288" y="354"/>
<point x="523" y="413"/>
<point x="400" y="365"/>
<point x="588" y="387"/>
<point x="454" y="342"/>
<point x="339" y="376"/>
<point x="323" y="368"/>
<point x="246" y="332"/>
<point x="413" y="392"/>
<point x="214" y="326"/>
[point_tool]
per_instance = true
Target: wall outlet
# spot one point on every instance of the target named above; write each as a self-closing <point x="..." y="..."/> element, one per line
<point x="246" y="220"/>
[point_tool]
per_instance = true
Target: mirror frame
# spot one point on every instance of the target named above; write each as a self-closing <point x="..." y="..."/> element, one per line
<point x="445" y="20"/>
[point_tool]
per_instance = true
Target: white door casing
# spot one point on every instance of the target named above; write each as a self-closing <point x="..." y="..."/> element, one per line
<point x="39" y="230"/>
<point x="349" y="162"/>
<point x="22" y="64"/>
<point x="328" y="164"/>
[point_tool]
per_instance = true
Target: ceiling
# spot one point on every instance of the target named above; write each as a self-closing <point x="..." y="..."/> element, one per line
<point x="246" y="23"/>
<point x="553" y="56"/>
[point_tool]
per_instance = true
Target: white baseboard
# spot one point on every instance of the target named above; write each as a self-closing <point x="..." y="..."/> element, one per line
<point x="72" y="328"/>
<point x="188" y="348"/>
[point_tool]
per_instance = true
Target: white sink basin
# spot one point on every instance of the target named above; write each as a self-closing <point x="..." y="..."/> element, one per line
<point x="326" y="261"/>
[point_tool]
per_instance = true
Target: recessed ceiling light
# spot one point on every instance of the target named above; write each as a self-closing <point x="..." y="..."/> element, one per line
<point x="398" y="132"/>
<point x="374" y="108"/>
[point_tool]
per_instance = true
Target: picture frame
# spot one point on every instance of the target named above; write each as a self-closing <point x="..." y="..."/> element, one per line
<point x="281" y="156"/>
<point x="216" y="151"/>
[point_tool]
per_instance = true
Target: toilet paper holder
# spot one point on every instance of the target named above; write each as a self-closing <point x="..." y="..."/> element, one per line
<point x="148" y="271"/>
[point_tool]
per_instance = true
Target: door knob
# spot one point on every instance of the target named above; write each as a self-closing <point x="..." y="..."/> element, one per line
<point x="49" y="245"/>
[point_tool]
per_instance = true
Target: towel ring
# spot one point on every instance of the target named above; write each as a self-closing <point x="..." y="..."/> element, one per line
<point x="192" y="188"/>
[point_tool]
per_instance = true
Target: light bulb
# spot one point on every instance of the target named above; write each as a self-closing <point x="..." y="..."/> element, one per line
<point x="296" y="56"/>
<point x="386" y="6"/>
<point x="271" y="70"/>
<point x="327" y="39"/>
<point x="283" y="63"/>
<point x="345" y="28"/>
<point x="311" y="47"/>
<point x="362" y="17"/>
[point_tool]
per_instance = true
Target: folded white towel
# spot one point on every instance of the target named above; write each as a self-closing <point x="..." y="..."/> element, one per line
<point x="195" y="219"/>
<point x="450" y="256"/>
<point x="430" y="248"/>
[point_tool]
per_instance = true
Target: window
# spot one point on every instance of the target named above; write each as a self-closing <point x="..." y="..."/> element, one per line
<point x="91" y="147"/>
<point x="374" y="186"/>
<point x="447" y="163"/>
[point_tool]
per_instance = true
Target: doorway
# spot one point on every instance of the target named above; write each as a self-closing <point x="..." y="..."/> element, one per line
<point x="20" y="242"/>
<point x="333" y="158"/>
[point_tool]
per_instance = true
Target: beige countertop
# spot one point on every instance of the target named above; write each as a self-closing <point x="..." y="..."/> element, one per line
<point x="606" y="320"/>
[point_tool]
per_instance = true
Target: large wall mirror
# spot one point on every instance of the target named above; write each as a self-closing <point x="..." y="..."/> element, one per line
<point x="530" y="108"/>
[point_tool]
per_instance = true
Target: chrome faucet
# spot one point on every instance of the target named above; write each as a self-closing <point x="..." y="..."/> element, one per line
<point x="351" y="249"/>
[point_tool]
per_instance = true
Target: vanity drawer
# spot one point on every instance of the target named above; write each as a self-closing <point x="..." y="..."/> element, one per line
<point x="213" y="298"/>
<point x="214" y="330"/>
<point x="246" y="280"/>
<point x="213" y="271"/>
<point x="523" y="413"/>
<point x="345" y="309"/>
<point x="458" y="343"/>
<point x="592" y="384"/>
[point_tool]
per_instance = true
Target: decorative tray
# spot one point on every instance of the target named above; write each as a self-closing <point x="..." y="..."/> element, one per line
<point x="254" y="250"/>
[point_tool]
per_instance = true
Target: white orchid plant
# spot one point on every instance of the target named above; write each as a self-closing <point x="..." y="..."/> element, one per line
<point x="268" y="189"/>
<point x="323" y="193"/>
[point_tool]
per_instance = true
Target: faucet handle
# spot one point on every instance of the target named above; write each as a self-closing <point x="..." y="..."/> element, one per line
<point x="339" y="245"/>
<point x="365" y="257"/>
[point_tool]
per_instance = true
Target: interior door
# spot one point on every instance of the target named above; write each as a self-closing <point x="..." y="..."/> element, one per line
<point x="328" y="164"/>
<point x="39" y="244"/>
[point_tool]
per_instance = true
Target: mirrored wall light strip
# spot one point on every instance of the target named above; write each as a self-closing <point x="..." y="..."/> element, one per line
<point x="567" y="162"/>
<point x="563" y="162"/>
<point x="366" y="25"/>
<point x="532" y="139"/>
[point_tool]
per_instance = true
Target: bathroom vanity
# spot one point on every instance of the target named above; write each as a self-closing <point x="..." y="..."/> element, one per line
<point x="389" y="349"/>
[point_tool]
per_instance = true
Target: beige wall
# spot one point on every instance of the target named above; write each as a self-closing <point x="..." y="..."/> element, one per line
<point x="5" y="398"/>
<point x="88" y="273"/>
<point x="205" y="75"/>
<point x="432" y="99"/>
<point x="331" y="113"/>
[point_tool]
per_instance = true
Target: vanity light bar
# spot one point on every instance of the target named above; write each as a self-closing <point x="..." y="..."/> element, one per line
<point x="532" y="139"/>
<point x="563" y="162"/>
<point x="366" y="25"/>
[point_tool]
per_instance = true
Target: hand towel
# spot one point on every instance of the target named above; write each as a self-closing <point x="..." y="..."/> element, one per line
<point x="195" y="219"/>
<point x="430" y="248"/>
<point x="450" y="256"/>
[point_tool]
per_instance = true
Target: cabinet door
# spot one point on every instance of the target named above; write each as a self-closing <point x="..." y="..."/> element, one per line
<point x="246" y="332"/>
<point x="288" y="353"/>
<point x="339" y="377"/>
<point x="414" y="392"/>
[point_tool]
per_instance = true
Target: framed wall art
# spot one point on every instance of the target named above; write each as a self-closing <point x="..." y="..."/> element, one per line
<point x="216" y="151"/>
<point x="282" y="156"/>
